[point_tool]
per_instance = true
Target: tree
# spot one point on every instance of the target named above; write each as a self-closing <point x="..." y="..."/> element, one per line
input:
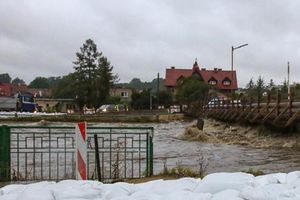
<point x="64" y="87"/>
<point x="93" y="74"/>
<point x="86" y="72"/>
<point x="39" y="82"/>
<point x="18" y="81"/>
<point x="5" y="78"/>
<point x="165" y="98"/>
<point x="260" y="86"/>
<point x="52" y="81"/>
<point x="284" y="89"/>
<point x="141" y="100"/>
<point x="250" y="85"/>
<point x="260" y="83"/>
<point x="137" y="84"/>
<point x="271" y="87"/>
<point x="191" y="90"/>
<point x="271" y="84"/>
<point x="105" y="79"/>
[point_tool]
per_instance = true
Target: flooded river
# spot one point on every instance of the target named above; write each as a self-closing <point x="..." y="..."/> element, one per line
<point x="220" y="157"/>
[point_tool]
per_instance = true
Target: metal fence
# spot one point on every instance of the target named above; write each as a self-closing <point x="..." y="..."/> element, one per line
<point x="48" y="153"/>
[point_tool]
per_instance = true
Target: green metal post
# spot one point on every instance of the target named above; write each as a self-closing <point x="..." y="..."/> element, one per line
<point x="151" y="155"/>
<point x="149" y="158"/>
<point x="4" y="153"/>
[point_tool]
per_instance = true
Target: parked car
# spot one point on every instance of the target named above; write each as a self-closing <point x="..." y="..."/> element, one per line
<point x="106" y="108"/>
<point x="174" y="109"/>
<point x="121" y="108"/>
<point x="214" y="103"/>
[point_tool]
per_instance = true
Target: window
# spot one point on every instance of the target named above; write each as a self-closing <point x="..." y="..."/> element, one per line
<point x="27" y="99"/>
<point x="124" y="94"/>
<point x="226" y="82"/>
<point x="212" y="82"/>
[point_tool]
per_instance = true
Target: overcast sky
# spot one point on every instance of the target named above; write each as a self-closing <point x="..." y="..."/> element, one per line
<point x="143" y="37"/>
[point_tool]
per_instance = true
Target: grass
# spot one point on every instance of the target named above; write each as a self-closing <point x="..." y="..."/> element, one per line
<point x="254" y="172"/>
<point x="180" y="171"/>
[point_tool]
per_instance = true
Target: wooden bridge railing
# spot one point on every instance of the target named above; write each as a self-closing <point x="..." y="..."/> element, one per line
<point x="278" y="113"/>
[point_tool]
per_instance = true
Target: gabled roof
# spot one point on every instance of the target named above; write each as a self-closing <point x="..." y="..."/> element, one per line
<point x="173" y="74"/>
<point x="220" y="75"/>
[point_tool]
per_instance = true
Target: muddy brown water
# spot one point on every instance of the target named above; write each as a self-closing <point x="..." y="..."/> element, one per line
<point x="170" y="150"/>
<point x="220" y="157"/>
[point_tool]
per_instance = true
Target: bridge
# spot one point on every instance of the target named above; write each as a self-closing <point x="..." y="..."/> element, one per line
<point x="276" y="113"/>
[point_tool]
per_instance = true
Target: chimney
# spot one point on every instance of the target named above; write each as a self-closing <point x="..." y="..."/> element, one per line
<point x="220" y="69"/>
<point x="172" y="67"/>
<point x="203" y="69"/>
<point x="215" y="69"/>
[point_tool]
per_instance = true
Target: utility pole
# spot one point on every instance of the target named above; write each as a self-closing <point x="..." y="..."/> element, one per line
<point x="157" y="91"/>
<point x="150" y="101"/>
<point x="288" y="81"/>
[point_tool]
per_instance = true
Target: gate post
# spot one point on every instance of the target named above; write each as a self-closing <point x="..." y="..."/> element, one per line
<point x="151" y="152"/>
<point x="149" y="158"/>
<point x="4" y="153"/>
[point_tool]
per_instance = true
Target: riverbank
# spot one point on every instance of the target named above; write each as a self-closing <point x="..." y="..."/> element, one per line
<point x="130" y="117"/>
<point x="219" y="132"/>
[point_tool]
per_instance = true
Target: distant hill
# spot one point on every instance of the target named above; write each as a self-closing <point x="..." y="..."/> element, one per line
<point x="139" y="85"/>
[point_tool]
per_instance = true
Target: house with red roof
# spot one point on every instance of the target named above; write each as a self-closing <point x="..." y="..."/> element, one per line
<point x="223" y="81"/>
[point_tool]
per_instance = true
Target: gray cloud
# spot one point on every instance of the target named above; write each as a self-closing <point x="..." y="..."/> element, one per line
<point x="142" y="38"/>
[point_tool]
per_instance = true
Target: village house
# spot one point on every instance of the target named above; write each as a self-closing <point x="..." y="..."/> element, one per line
<point x="9" y="89"/>
<point x="123" y="93"/>
<point x="56" y="105"/>
<point x="222" y="81"/>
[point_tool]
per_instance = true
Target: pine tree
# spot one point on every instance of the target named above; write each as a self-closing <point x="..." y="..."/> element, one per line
<point x="86" y="72"/>
<point x="105" y="80"/>
<point x="284" y="87"/>
<point x="260" y="85"/>
<point x="272" y="88"/>
<point x="250" y="85"/>
<point x="271" y="84"/>
<point x="93" y="74"/>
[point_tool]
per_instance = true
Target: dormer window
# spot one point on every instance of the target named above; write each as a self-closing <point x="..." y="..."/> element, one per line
<point x="212" y="81"/>
<point x="226" y="82"/>
<point x="180" y="80"/>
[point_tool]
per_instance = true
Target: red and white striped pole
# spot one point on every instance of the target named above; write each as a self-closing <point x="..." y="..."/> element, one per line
<point x="81" y="151"/>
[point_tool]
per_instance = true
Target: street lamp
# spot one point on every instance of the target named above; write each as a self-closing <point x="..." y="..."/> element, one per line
<point x="232" y="49"/>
